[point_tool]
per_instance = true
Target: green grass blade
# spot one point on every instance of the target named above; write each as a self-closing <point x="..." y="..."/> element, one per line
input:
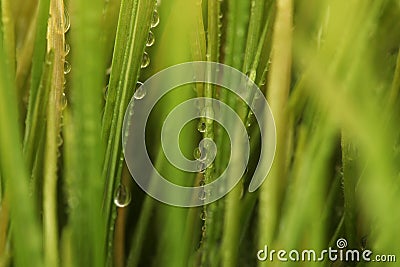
<point x="132" y="32"/>
<point x="212" y="55"/>
<point x="128" y="51"/>
<point x="278" y="90"/>
<point x="36" y="71"/>
<point x="253" y="34"/>
<point x="86" y="149"/>
<point x="28" y="252"/>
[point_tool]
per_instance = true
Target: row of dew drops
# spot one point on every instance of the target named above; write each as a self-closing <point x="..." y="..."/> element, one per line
<point x="67" y="70"/>
<point x="140" y="92"/>
<point x="122" y="195"/>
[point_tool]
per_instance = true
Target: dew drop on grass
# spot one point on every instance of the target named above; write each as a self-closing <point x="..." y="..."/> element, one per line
<point x="60" y="140"/>
<point x="67" y="22"/>
<point x="197" y="153"/>
<point x="67" y="67"/>
<point x="67" y="49"/>
<point x="64" y="101"/>
<point x="201" y="127"/>
<point x="105" y="92"/>
<point x="200" y="153"/>
<point x="108" y="70"/>
<point x="155" y="20"/>
<point x="140" y="91"/>
<point x="150" y="39"/>
<point x="122" y="196"/>
<point x="145" y="60"/>
<point x="250" y="119"/>
<point x="203" y="215"/>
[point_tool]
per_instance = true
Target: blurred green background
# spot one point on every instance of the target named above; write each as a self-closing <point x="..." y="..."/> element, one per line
<point x="330" y="70"/>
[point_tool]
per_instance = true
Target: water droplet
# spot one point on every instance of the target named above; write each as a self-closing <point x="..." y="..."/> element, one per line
<point x="200" y="153"/>
<point x="145" y="60"/>
<point x="197" y="153"/>
<point x="150" y="39"/>
<point x="202" y="183"/>
<point x="203" y="228"/>
<point x="67" y="22"/>
<point x="67" y="49"/>
<point x="61" y="120"/>
<point x="263" y="80"/>
<point x="67" y="67"/>
<point x="155" y="20"/>
<point x="108" y="71"/>
<point x="140" y="91"/>
<point x="201" y="127"/>
<point x="122" y="196"/>
<point x="241" y="192"/>
<point x="60" y="140"/>
<point x="64" y="101"/>
<point x="106" y="92"/>
<point x="250" y="119"/>
<point x="251" y="74"/>
<point x="203" y="215"/>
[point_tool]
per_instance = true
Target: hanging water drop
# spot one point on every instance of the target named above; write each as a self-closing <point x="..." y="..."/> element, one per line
<point x="155" y="20"/>
<point x="241" y="192"/>
<point x="105" y="92"/>
<point x="67" y="67"/>
<point x="108" y="71"/>
<point x="150" y="39"/>
<point x="250" y="119"/>
<point x="145" y="60"/>
<point x="197" y="153"/>
<point x="201" y="127"/>
<point x="200" y="153"/>
<point x="122" y="196"/>
<point x="67" y="49"/>
<point x="140" y="91"/>
<point x="60" y="140"/>
<point x="203" y="215"/>
<point x="67" y="22"/>
<point x="64" y="101"/>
